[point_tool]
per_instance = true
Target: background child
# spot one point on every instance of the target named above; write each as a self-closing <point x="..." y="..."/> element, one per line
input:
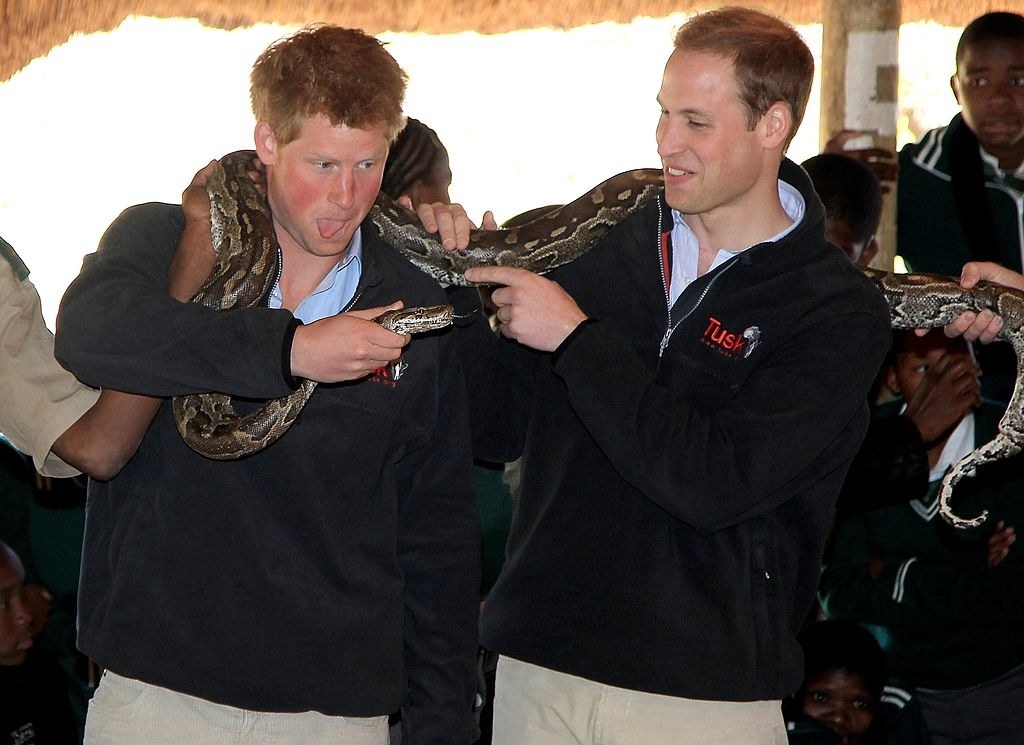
<point x="34" y="706"/>
<point x="846" y="697"/>
<point x="949" y="612"/>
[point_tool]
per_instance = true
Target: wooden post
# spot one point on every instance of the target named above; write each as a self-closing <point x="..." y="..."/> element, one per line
<point x="859" y="86"/>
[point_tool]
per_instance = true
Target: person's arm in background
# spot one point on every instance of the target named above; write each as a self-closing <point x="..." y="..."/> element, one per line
<point x="39" y="398"/>
<point x="880" y="161"/>
<point x="985" y="325"/>
<point x="106" y="436"/>
<point x="894" y="462"/>
<point x="858" y="583"/>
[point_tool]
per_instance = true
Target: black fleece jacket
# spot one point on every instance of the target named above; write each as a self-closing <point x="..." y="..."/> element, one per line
<point x="675" y="505"/>
<point x="337" y="570"/>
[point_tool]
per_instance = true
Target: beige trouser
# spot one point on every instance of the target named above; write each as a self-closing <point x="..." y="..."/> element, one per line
<point x="128" y="712"/>
<point x="537" y="706"/>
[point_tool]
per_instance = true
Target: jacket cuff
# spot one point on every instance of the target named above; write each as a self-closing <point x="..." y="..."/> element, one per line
<point x="286" y="354"/>
<point x="570" y="338"/>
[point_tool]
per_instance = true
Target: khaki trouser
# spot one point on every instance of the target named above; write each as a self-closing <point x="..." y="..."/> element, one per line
<point x="128" y="712"/>
<point x="537" y="706"/>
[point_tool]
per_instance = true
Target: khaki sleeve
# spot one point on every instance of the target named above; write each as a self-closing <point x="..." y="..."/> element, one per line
<point x="39" y="399"/>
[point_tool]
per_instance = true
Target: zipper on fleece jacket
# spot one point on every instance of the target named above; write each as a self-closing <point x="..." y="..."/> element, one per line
<point x="671" y="326"/>
<point x="277" y="280"/>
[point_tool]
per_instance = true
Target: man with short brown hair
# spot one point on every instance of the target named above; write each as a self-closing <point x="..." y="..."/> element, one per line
<point x="686" y="397"/>
<point x="305" y="592"/>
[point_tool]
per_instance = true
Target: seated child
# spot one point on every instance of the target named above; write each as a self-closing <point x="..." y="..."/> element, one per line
<point x="845" y="698"/>
<point x="950" y="606"/>
<point x="34" y="705"/>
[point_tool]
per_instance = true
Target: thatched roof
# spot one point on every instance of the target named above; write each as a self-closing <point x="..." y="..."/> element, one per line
<point x="30" y="28"/>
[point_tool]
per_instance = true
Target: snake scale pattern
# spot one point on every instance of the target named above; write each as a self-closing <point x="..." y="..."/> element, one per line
<point x="247" y="268"/>
<point x="929" y="301"/>
<point x="248" y="264"/>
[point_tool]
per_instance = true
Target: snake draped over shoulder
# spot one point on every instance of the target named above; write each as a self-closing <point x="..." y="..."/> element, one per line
<point x="247" y="268"/>
<point x="248" y="261"/>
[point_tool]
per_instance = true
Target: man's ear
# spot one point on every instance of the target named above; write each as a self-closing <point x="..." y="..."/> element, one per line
<point x="777" y="123"/>
<point x="955" y="85"/>
<point x="266" y="143"/>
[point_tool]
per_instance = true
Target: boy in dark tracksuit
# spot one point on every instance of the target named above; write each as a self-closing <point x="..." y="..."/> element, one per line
<point x="961" y="188"/>
<point x="949" y="613"/>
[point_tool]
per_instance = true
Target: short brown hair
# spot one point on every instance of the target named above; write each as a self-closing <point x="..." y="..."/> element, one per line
<point x="343" y="74"/>
<point x="771" y="62"/>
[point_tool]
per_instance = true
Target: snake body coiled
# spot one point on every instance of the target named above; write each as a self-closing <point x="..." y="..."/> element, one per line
<point x="931" y="301"/>
<point x="248" y="266"/>
<point x="243" y="238"/>
<point x="551" y="240"/>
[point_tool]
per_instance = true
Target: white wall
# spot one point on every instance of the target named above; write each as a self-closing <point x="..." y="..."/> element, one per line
<point x="529" y="118"/>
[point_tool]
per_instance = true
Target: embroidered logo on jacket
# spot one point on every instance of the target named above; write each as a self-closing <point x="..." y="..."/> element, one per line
<point x="385" y="375"/>
<point x="729" y="343"/>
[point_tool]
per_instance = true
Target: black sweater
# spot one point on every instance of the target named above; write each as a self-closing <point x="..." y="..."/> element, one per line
<point x="337" y="570"/>
<point x="674" y="508"/>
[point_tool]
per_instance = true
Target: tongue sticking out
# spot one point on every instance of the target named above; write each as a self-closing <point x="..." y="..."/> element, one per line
<point x="329" y="228"/>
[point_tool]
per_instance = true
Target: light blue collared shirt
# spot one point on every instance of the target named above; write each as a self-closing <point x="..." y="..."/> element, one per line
<point x="686" y="248"/>
<point x="335" y="291"/>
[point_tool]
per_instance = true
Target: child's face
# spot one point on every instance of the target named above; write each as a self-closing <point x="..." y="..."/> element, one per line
<point x="917" y="356"/>
<point x="15" y="638"/>
<point x="843" y="234"/>
<point x="987" y="85"/>
<point x="841" y="701"/>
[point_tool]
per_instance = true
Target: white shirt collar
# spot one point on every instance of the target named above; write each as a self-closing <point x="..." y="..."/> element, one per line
<point x="686" y="248"/>
<point x="993" y="161"/>
<point x="335" y="290"/>
<point x="959" y="445"/>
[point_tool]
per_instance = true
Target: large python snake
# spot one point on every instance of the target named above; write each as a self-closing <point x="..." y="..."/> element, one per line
<point x="248" y="261"/>
<point x="248" y="266"/>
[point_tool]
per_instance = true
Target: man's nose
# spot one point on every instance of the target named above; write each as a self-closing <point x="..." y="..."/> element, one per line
<point x="342" y="190"/>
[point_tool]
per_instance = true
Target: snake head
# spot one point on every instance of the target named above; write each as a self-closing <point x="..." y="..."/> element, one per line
<point x="417" y="319"/>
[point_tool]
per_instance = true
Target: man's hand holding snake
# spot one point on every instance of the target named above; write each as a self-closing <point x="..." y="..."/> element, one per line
<point x="347" y="346"/>
<point x="530" y="309"/>
<point x="451" y="223"/>
<point x="985" y="325"/>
